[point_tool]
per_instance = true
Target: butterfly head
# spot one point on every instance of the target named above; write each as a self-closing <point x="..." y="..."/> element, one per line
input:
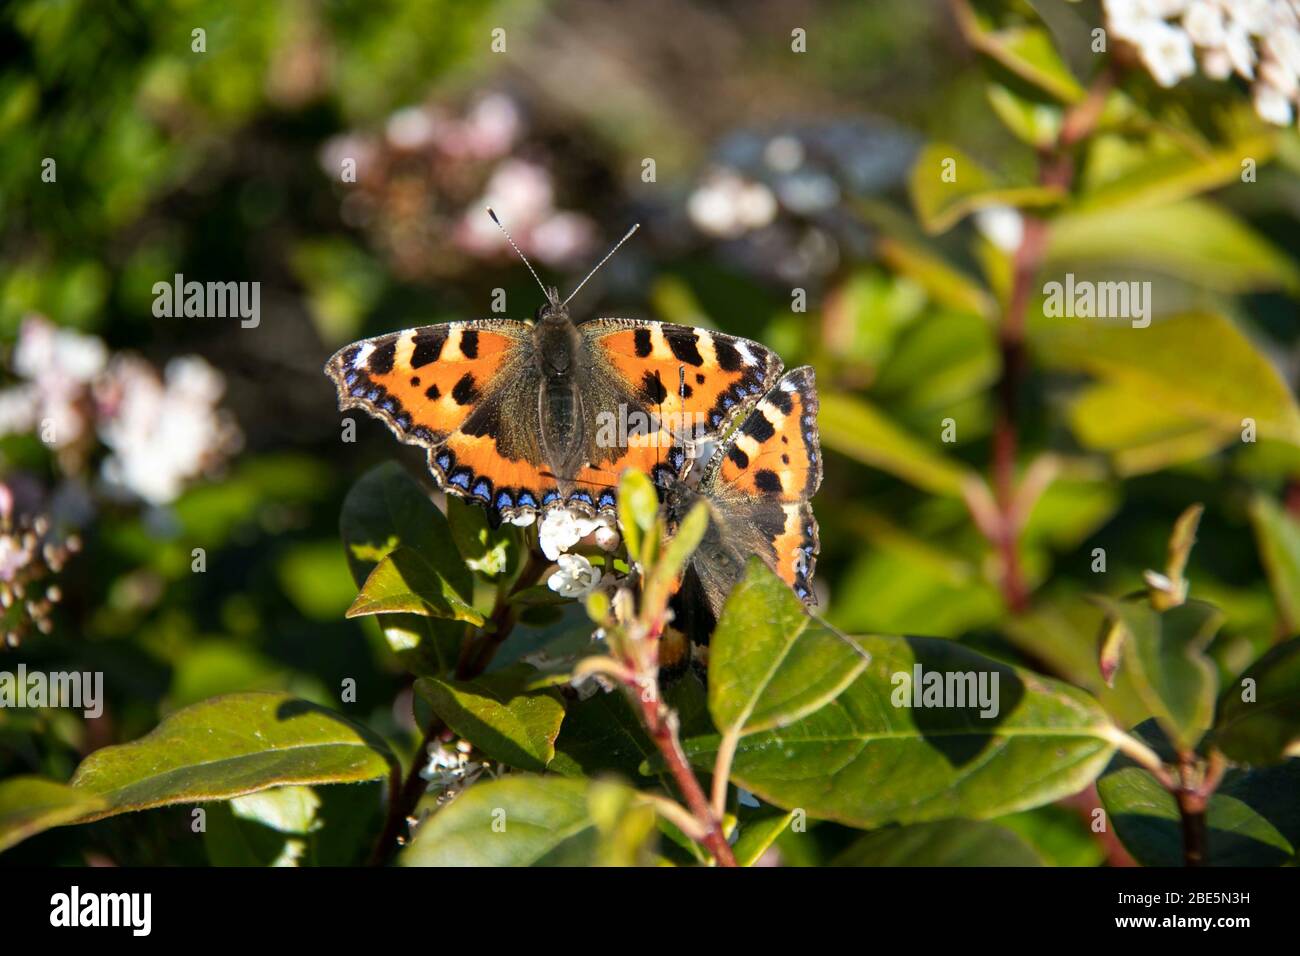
<point x="552" y="309"/>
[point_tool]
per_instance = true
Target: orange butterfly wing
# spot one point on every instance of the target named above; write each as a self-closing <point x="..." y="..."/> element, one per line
<point x="773" y="460"/>
<point x="425" y="383"/>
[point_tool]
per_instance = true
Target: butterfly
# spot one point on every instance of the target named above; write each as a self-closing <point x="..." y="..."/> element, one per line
<point x="758" y="484"/>
<point x="523" y="417"/>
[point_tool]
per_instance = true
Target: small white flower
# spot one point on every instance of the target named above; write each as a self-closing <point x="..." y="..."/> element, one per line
<point x="1240" y="51"/>
<point x="607" y="537"/>
<point x="1271" y="104"/>
<point x="1167" y="53"/>
<point x="575" y="578"/>
<point x="560" y="530"/>
<point x="524" y="519"/>
<point x="410" y="128"/>
<point x="727" y="205"/>
<point x="1000" y="225"/>
<point x="1279" y="77"/>
<point x="1216" y="64"/>
<point x="1204" y="23"/>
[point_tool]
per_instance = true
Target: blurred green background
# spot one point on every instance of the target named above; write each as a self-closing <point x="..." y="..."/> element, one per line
<point x="756" y="171"/>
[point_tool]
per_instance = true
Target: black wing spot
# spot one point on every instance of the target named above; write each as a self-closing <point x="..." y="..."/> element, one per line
<point x="465" y="393"/>
<point x="381" y="359"/>
<point x="767" y="481"/>
<point x="738" y="457"/>
<point x="729" y="359"/>
<point x="641" y="339"/>
<point x="432" y="393"/>
<point x="415" y="381"/>
<point x="469" y="343"/>
<point x="785" y="459"/>
<point x="653" y="389"/>
<point x="699" y="378"/>
<point x="428" y="347"/>
<point x="782" y="400"/>
<point x="758" y="427"/>
<point x="683" y="344"/>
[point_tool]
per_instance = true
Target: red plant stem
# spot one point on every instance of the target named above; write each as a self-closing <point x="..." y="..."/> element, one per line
<point x="1056" y="168"/>
<point x="665" y="738"/>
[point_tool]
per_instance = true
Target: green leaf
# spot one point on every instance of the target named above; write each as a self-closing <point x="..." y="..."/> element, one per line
<point x="1231" y="380"/>
<point x="946" y="185"/>
<point x="601" y="735"/>
<point x="1163" y="653"/>
<point x="404" y="583"/>
<point x="863" y="761"/>
<point x="1193" y="240"/>
<point x="854" y="428"/>
<point x="1155" y="178"/>
<point x="1036" y="121"/>
<point x="1265" y="728"/>
<point x="495" y="713"/>
<point x="268" y="828"/>
<point x="770" y="663"/>
<point x="638" y="505"/>
<point x="945" y="284"/>
<point x="758" y="831"/>
<point x="519" y="820"/>
<point x="486" y="550"/>
<point x="29" y="805"/>
<point x="1278" y="536"/>
<point x="1027" y="52"/>
<point x="943" y="843"/>
<point x="229" y="746"/>
<point x="1253" y="818"/>
<point x="386" y="509"/>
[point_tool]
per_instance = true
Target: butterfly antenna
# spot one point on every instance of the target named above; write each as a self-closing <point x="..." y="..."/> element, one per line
<point x="603" y="261"/>
<point x="510" y="239"/>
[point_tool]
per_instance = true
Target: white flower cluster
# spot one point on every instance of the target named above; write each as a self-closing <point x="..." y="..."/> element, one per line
<point x="557" y="532"/>
<point x="160" y="432"/>
<point x="1259" y="40"/>
<point x="163" y="432"/>
<point x="450" y="769"/>
<point x="727" y="205"/>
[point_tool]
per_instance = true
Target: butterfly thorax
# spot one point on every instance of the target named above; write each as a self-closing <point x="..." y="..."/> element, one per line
<point x="557" y="347"/>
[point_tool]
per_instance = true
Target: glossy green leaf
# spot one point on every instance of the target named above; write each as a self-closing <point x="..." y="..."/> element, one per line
<point x="404" y="583"/>
<point x="601" y="735"/>
<point x="1253" y="818"/>
<point x="864" y="761"/>
<point x="267" y="828"/>
<point x="758" y="831"/>
<point x="1155" y="178"/>
<point x="512" y="725"/>
<point x="1259" y="713"/>
<point x="229" y="746"/>
<point x="946" y="185"/>
<point x="1277" y="534"/>
<point x="489" y="551"/>
<point x="1231" y="381"/>
<point x="1163" y="653"/>
<point x="862" y="432"/>
<point x="519" y="820"/>
<point x="770" y="663"/>
<point x="1193" y="240"/>
<point x="386" y="509"/>
<point x="942" y="843"/>
<point x="29" y="805"/>
<point x="1028" y="52"/>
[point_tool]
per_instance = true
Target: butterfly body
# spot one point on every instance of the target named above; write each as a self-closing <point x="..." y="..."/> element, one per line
<point x="525" y="416"/>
